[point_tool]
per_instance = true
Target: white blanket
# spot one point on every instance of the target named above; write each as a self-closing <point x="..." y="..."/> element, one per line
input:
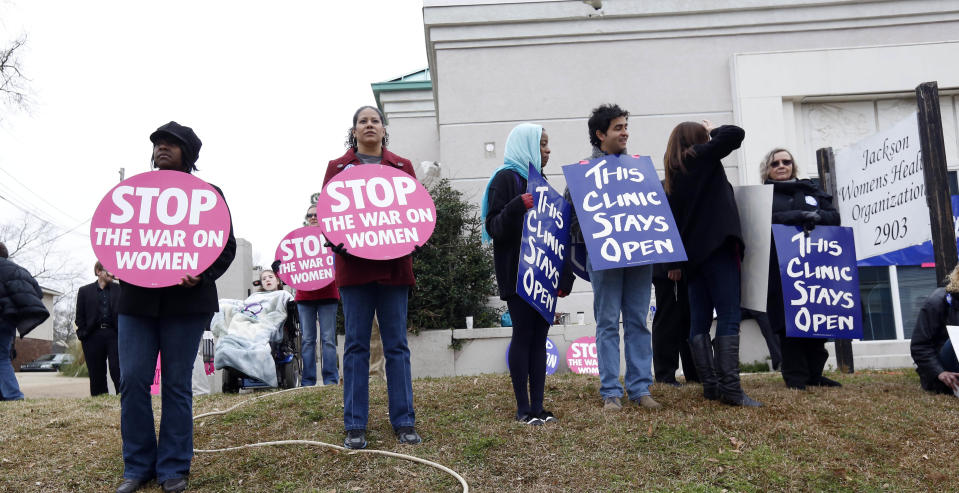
<point x="244" y="330"/>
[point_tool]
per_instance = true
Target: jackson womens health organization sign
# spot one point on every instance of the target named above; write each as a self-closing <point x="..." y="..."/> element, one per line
<point x="880" y="190"/>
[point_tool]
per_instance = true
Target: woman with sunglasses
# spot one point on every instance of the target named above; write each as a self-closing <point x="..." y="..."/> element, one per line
<point x="798" y="202"/>
<point x="318" y="307"/>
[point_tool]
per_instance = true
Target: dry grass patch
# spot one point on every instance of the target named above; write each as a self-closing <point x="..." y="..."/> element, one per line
<point x="878" y="432"/>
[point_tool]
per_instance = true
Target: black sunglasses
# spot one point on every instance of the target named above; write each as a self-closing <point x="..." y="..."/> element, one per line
<point x="781" y="162"/>
<point x="308" y="216"/>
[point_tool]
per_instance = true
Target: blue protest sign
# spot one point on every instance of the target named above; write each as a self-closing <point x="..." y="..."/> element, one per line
<point x="544" y="247"/>
<point x="623" y="212"/>
<point x="577" y="260"/>
<point x="820" y="282"/>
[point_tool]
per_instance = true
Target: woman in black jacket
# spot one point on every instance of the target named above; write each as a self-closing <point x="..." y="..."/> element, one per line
<point x="168" y="320"/>
<point x="704" y="207"/>
<point x="800" y="203"/>
<point x="504" y="206"/>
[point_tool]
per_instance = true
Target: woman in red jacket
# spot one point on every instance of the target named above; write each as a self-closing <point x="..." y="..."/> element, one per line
<point x="318" y="307"/>
<point x="369" y="287"/>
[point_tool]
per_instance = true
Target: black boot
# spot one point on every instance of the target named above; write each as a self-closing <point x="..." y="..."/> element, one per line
<point x="702" y="352"/>
<point x="822" y="381"/>
<point x="816" y="361"/>
<point x="795" y="367"/>
<point x="727" y="364"/>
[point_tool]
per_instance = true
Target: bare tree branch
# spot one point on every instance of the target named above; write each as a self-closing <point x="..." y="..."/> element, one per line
<point x="13" y="88"/>
<point x="33" y="244"/>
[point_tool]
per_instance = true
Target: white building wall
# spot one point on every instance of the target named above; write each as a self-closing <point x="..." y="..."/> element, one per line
<point x="411" y="124"/>
<point x="237" y="281"/>
<point x="44" y="331"/>
<point x="793" y="73"/>
<point x="495" y="64"/>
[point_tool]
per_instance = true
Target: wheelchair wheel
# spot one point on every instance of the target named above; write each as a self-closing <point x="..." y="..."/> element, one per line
<point x="292" y="372"/>
<point x="231" y="381"/>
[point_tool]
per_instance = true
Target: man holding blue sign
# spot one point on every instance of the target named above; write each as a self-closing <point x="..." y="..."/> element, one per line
<point x="622" y="216"/>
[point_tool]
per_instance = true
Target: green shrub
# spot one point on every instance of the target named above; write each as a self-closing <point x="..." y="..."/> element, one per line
<point x="754" y="367"/>
<point x="454" y="272"/>
<point x="79" y="366"/>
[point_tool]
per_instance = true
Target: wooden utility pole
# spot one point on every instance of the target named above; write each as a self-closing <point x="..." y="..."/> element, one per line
<point x="826" y="162"/>
<point x="936" y="177"/>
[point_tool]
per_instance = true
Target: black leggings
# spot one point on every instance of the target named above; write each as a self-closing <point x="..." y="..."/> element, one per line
<point x="527" y="356"/>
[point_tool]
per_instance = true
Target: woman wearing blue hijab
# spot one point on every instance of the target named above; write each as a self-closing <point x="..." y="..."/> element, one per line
<point x="504" y="205"/>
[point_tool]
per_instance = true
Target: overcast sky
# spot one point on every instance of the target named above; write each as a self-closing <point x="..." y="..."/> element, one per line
<point x="269" y="87"/>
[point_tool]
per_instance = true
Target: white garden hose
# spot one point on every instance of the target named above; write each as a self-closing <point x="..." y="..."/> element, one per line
<point x="441" y="467"/>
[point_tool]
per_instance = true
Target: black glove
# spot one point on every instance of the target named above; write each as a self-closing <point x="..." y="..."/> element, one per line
<point x="809" y="221"/>
<point x="275" y="267"/>
<point x="337" y="249"/>
<point x="810" y="216"/>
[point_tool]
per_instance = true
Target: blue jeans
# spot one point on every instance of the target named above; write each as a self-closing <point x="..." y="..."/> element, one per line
<point x="309" y="312"/>
<point x="389" y="304"/>
<point x="715" y="285"/>
<point x="9" y="387"/>
<point x="177" y="338"/>
<point x="623" y="290"/>
<point x="948" y="357"/>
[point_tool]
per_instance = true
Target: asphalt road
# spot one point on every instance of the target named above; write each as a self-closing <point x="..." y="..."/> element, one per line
<point x="54" y="385"/>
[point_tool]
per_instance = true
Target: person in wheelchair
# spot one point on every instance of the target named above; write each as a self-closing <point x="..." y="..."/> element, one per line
<point x="256" y="337"/>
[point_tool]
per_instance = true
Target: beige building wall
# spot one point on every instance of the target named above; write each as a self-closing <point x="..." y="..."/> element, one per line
<point x="237" y="281"/>
<point x="412" y="125"/>
<point x="755" y="63"/>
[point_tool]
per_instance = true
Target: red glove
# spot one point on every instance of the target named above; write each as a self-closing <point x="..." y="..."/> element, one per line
<point x="562" y="294"/>
<point x="527" y="200"/>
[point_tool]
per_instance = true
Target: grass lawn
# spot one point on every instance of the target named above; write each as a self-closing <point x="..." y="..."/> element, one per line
<point x="880" y="432"/>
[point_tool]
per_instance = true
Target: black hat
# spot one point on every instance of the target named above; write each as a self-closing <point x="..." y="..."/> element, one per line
<point x="186" y="137"/>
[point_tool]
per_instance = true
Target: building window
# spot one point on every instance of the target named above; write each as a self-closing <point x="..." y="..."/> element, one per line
<point x="915" y="285"/>
<point x="878" y="321"/>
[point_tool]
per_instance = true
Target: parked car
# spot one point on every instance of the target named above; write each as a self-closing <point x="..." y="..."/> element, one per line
<point x="47" y="362"/>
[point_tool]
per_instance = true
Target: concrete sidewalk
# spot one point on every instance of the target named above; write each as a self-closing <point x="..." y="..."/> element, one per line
<point x="55" y="385"/>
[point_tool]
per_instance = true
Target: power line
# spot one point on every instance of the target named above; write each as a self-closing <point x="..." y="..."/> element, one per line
<point x="27" y="188"/>
<point x="30" y="213"/>
<point x="71" y="230"/>
<point x="27" y="210"/>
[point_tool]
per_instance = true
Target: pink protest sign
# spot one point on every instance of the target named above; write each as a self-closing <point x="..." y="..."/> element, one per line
<point x="377" y="212"/>
<point x="304" y="262"/>
<point x="156" y="227"/>
<point x="581" y="356"/>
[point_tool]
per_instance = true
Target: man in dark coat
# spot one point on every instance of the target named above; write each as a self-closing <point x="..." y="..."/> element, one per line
<point x="932" y="351"/>
<point x="97" y="329"/>
<point x="21" y="308"/>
